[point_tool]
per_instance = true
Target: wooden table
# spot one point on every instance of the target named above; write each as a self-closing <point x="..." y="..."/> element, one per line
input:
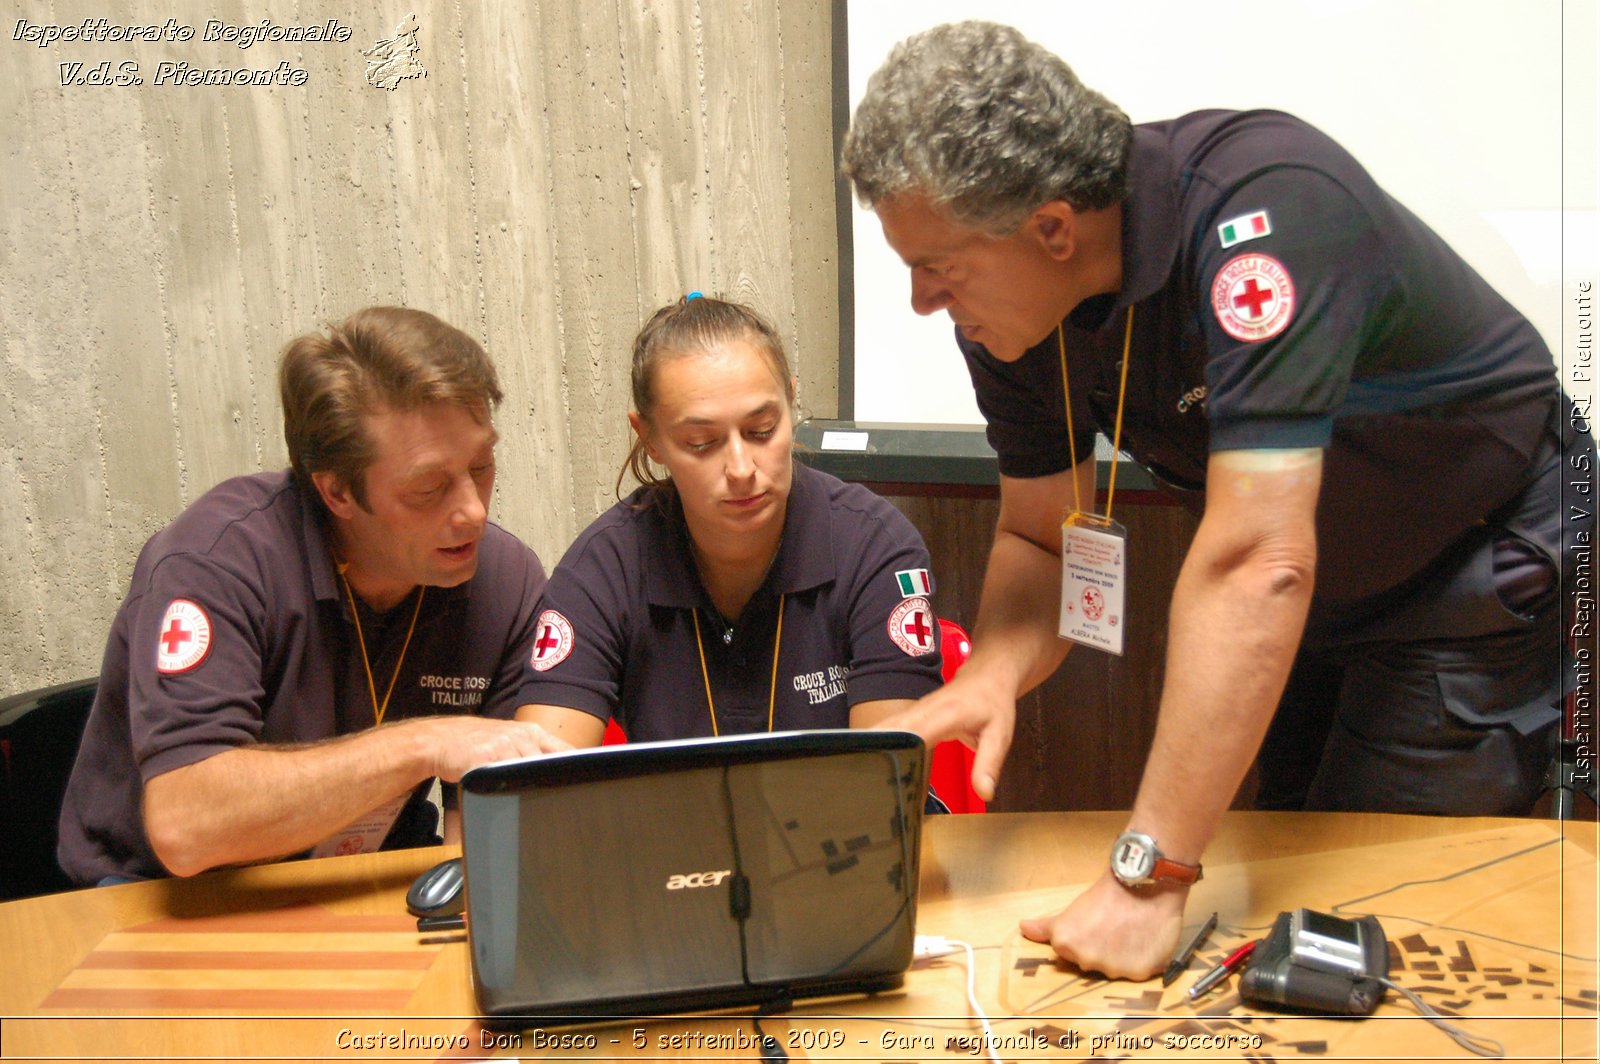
<point x="1491" y="920"/>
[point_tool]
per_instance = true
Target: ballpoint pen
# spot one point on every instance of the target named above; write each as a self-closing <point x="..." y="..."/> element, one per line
<point x="1231" y="963"/>
<point x="1181" y="962"/>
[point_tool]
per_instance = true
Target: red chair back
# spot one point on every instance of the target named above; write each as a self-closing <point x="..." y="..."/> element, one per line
<point x="951" y="774"/>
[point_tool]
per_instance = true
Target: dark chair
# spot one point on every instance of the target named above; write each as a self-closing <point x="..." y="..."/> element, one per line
<point x="1571" y="773"/>
<point x="39" y="734"/>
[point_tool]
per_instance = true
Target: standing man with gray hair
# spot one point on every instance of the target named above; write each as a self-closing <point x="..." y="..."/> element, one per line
<point x="301" y="652"/>
<point x="1374" y="437"/>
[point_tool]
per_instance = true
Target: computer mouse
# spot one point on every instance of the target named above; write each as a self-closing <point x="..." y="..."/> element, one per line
<point x="437" y="892"/>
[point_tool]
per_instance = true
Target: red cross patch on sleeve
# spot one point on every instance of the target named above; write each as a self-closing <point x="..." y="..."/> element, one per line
<point x="185" y="637"/>
<point x="1253" y="297"/>
<point x="913" y="627"/>
<point x="553" y="642"/>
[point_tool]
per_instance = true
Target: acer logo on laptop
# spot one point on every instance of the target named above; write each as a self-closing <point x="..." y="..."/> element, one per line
<point x="697" y="879"/>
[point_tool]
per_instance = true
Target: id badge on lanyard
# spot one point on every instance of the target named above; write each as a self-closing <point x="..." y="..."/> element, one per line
<point x="365" y="834"/>
<point x="1094" y="561"/>
<point x="1094" y="549"/>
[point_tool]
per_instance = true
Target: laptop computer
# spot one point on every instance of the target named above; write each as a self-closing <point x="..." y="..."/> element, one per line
<point x="701" y="874"/>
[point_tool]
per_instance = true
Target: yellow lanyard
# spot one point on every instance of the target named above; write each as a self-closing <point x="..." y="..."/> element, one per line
<point x="772" y="695"/>
<point x="1116" y="439"/>
<point x="379" y="709"/>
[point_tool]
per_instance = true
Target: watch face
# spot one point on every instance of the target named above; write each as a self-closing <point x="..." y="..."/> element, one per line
<point x="1133" y="857"/>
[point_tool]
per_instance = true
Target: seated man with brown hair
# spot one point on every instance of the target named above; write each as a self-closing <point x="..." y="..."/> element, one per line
<point x="301" y="652"/>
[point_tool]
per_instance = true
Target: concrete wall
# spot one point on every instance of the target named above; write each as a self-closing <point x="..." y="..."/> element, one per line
<point x="559" y="171"/>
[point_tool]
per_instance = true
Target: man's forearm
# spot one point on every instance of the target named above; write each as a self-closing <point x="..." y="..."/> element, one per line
<point x="261" y="802"/>
<point x="1014" y="640"/>
<point x="1233" y="640"/>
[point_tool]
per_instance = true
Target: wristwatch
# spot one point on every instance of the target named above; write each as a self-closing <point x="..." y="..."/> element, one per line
<point x="1136" y="861"/>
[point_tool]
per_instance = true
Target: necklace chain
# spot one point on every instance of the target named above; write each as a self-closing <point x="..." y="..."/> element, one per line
<point x="727" y="639"/>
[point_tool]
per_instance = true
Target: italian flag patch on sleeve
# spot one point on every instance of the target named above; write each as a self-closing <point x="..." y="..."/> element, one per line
<point x="1245" y="227"/>
<point x="914" y="582"/>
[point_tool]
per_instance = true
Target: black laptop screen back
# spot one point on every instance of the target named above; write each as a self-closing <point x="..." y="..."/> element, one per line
<point x="658" y="877"/>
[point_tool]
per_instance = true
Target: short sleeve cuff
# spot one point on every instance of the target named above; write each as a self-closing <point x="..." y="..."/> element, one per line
<point x="882" y="686"/>
<point x="165" y="761"/>
<point x="1266" y="434"/>
<point x="1026" y="464"/>
<point x="568" y="696"/>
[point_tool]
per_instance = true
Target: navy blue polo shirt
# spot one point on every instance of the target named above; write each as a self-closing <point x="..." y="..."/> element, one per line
<point x="617" y="622"/>
<point x="237" y="630"/>
<point x="1281" y="299"/>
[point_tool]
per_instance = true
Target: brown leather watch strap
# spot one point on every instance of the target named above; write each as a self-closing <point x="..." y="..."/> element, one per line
<point x="1167" y="870"/>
